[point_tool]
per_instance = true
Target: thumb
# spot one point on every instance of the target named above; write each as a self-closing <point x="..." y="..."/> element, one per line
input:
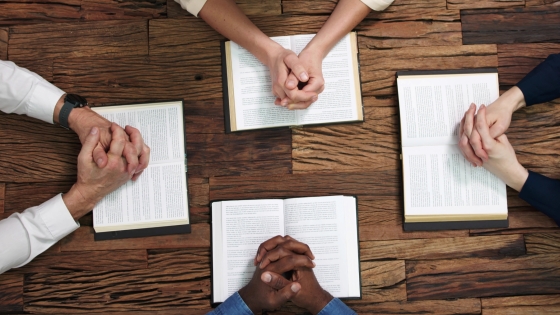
<point x="287" y="293"/>
<point x="90" y="143"/>
<point x="497" y="130"/>
<point x="293" y="63"/>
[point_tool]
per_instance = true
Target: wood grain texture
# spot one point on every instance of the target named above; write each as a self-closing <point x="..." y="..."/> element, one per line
<point x="41" y="11"/>
<point x="517" y="60"/>
<point x="25" y="138"/>
<point x="249" y="7"/>
<point x="542" y="243"/>
<point x="383" y="281"/>
<point x="327" y="6"/>
<point x="518" y="305"/>
<point x="379" y="67"/>
<point x="482" y="277"/>
<point x="4" y="43"/>
<point x="63" y="262"/>
<point x="530" y="3"/>
<point x="186" y="286"/>
<point x="86" y="39"/>
<point x="373" y="143"/>
<point x="11" y="295"/>
<point x="380" y="183"/>
<point x="443" y="248"/>
<point x="518" y="25"/>
<point x="2" y="196"/>
<point x="24" y="195"/>
<point x="82" y="240"/>
<point x="485" y="4"/>
<point x="437" y="307"/>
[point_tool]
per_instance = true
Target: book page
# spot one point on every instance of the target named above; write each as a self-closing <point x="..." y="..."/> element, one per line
<point x="438" y="181"/>
<point x="432" y="106"/>
<point x="245" y="225"/>
<point x="338" y="102"/>
<point x="254" y="101"/>
<point x="320" y="223"/>
<point x="159" y="196"/>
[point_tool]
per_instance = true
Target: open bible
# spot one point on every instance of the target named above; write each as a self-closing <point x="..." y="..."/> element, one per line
<point x="328" y="225"/>
<point x="157" y="202"/>
<point x="442" y="190"/>
<point x="248" y="98"/>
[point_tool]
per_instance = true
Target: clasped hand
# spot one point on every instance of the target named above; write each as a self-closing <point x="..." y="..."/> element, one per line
<point x="269" y="289"/>
<point x="289" y="72"/>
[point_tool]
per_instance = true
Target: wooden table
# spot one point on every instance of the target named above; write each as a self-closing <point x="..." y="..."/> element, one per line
<point x="132" y="51"/>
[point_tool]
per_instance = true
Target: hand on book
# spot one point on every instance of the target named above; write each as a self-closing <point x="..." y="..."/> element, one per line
<point x="311" y="295"/>
<point x="136" y="152"/>
<point x="313" y="83"/>
<point x="498" y="118"/>
<point x="501" y="160"/>
<point x="96" y="182"/>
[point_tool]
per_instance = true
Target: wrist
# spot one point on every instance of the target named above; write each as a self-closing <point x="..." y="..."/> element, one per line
<point x="517" y="177"/>
<point x="320" y="302"/>
<point x="246" y="297"/>
<point x="515" y="98"/>
<point x="78" y="204"/>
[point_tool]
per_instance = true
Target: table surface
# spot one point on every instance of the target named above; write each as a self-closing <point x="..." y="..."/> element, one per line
<point x="134" y="51"/>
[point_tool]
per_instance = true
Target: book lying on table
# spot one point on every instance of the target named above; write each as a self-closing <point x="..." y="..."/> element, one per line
<point x="442" y="190"/>
<point x="328" y="225"/>
<point x="157" y="202"/>
<point x="248" y="98"/>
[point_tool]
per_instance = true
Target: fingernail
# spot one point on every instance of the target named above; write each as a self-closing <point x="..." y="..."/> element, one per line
<point x="99" y="161"/>
<point x="314" y="264"/>
<point x="266" y="277"/>
<point x="291" y="83"/>
<point x="314" y="98"/>
<point x="94" y="130"/>
<point x="304" y="77"/>
<point x="284" y="103"/>
<point x="295" y="288"/>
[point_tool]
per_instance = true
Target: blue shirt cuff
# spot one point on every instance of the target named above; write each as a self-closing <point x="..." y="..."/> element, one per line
<point x="234" y="305"/>
<point x="336" y="307"/>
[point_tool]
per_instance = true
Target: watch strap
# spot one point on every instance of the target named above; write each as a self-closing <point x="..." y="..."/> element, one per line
<point x="65" y="113"/>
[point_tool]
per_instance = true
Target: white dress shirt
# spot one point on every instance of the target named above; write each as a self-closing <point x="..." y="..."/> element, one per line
<point x="25" y="235"/>
<point x="194" y="6"/>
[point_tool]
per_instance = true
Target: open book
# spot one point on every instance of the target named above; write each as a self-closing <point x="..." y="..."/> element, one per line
<point x="328" y="225"/>
<point x="248" y="98"/>
<point x="156" y="203"/>
<point x="442" y="190"/>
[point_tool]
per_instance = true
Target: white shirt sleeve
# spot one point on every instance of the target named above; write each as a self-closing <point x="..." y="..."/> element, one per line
<point x="25" y="235"/>
<point x="25" y="92"/>
<point x="378" y="5"/>
<point x="193" y="6"/>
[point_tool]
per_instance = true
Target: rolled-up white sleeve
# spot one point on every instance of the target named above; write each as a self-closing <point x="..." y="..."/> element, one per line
<point x="378" y="5"/>
<point x="25" y="235"/>
<point x="193" y="6"/>
<point x="25" y="92"/>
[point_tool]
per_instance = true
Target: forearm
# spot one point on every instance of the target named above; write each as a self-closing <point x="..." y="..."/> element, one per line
<point x="25" y="235"/>
<point x="541" y="192"/>
<point x="228" y="19"/>
<point x="346" y="15"/>
<point x="542" y="84"/>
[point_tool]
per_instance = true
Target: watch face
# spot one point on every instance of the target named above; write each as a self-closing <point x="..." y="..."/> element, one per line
<point x="76" y="99"/>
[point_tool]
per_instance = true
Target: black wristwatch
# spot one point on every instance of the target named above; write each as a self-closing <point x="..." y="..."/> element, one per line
<point x="71" y="101"/>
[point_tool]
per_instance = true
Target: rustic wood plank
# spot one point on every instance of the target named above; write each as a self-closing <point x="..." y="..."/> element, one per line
<point x="518" y="305"/>
<point x="82" y="240"/>
<point x="530" y="3"/>
<point x="86" y="261"/>
<point x="239" y="168"/>
<point x="442" y="248"/>
<point x="485" y="4"/>
<point x="518" y="25"/>
<point x="379" y="183"/>
<point x="517" y="60"/>
<point x="379" y="67"/>
<point x="4" y="43"/>
<point x="86" y="39"/>
<point x="249" y="7"/>
<point x="383" y="281"/>
<point x="11" y="296"/>
<point x="24" y="195"/>
<point x="482" y="277"/>
<point x="436" y="307"/>
<point x="2" y="196"/>
<point x="373" y="143"/>
<point x="97" y="10"/>
<point x="542" y="243"/>
<point x="184" y="287"/>
<point x="327" y="6"/>
<point x="198" y="200"/>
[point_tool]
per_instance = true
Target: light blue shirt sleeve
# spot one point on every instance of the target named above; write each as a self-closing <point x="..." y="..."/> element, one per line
<point x="235" y="305"/>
